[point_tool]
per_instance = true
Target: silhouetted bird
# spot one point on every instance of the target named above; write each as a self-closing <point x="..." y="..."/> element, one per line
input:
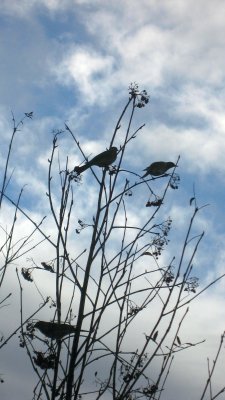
<point x="54" y="330"/>
<point x="103" y="159"/>
<point x="158" y="168"/>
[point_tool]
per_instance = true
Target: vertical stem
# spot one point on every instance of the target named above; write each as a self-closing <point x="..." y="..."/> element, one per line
<point x="83" y="297"/>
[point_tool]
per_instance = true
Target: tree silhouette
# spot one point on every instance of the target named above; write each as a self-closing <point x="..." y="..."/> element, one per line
<point x="106" y="274"/>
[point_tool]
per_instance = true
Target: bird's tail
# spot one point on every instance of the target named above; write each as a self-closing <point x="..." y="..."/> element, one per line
<point x="146" y="173"/>
<point x="81" y="169"/>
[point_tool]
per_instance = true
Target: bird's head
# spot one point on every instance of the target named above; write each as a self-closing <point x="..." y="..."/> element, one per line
<point x="114" y="149"/>
<point x="170" y="164"/>
<point x="43" y="326"/>
<point x="39" y="324"/>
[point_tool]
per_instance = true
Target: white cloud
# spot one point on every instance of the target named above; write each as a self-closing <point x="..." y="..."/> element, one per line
<point x="158" y="41"/>
<point x="88" y="70"/>
<point x="23" y="8"/>
<point x="201" y="151"/>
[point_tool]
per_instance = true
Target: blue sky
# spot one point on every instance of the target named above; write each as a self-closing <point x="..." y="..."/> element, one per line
<point x="73" y="61"/>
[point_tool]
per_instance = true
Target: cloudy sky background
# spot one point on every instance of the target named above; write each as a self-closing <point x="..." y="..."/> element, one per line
<point x="72" y="61"/>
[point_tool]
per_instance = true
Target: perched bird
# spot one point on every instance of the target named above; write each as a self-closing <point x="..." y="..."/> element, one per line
<point x="158" y="168"/>
<point x="54" y="330"/>
<point x="103" y="159"/>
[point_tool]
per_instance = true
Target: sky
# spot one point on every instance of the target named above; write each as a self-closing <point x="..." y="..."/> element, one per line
<point x="72" y="61"/>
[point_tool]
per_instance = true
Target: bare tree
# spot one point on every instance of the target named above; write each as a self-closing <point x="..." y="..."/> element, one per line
<point x="87" y="350"/>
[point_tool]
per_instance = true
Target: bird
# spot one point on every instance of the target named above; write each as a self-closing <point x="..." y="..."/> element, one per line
<point x="158" y="168"/>
<point x="54" y="330"/>
<point x="103" y="159"/>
